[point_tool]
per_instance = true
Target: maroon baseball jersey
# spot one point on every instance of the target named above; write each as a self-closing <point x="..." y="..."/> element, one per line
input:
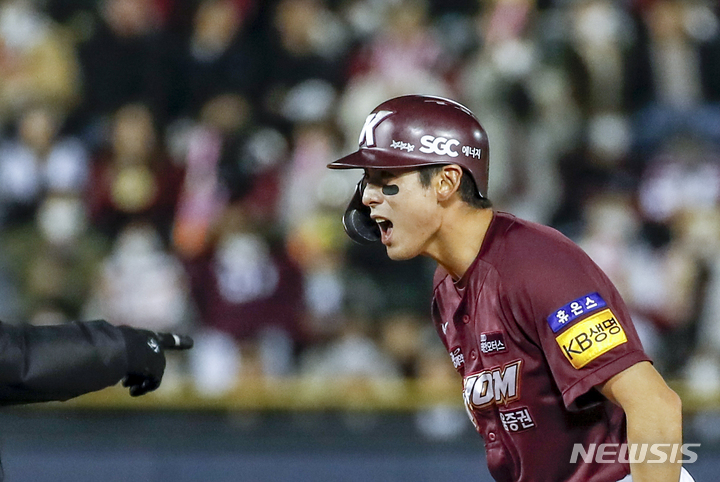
<point x="532" y="327"/>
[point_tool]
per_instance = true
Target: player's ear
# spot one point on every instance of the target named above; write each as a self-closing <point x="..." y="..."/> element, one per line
<point x="447" y="181"/>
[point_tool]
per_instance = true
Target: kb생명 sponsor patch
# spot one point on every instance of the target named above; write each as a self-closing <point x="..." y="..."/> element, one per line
<point x="590" y="338"/>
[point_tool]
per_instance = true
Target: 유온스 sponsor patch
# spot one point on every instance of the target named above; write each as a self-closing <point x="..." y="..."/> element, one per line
<point x="565" y="315"/>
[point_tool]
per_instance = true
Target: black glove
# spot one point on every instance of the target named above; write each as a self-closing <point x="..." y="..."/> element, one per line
<point x="146" y="357"/>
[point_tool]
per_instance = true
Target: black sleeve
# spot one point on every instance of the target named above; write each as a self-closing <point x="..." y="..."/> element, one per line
<point x="59" y="362"/>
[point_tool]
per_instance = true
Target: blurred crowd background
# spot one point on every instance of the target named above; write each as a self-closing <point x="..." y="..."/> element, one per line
<point x="162" y="165"/>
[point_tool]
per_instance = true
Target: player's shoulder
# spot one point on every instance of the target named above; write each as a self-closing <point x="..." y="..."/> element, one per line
<point x="519" y="239"/>
<point x="524" y="253"/>
<point x="515" y="247"/>
<point x="517" y="231"/>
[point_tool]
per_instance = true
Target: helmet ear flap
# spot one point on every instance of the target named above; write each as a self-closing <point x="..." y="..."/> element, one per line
<point x="357" y="221"/>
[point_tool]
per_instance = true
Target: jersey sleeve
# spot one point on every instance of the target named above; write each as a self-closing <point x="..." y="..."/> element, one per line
<point x="59" y="362"/>
<point x="579" y="318"/>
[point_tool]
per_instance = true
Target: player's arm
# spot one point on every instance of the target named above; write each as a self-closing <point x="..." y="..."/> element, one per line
<point x="654" y="415"/>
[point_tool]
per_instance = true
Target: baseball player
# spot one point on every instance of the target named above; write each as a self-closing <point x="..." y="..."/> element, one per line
<point x="551" y="364"/>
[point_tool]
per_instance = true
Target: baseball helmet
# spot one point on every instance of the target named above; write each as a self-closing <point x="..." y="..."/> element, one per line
<point x="419" y="130"/>
<point x="414" y="131"/>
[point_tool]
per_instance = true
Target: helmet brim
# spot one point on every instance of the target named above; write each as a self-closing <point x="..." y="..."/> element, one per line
<point x="378" y="159"/>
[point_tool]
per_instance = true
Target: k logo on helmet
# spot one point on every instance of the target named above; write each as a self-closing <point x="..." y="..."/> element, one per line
<point x="367" y="134"/>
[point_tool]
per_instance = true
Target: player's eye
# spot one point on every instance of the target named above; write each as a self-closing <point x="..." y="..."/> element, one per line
<point x="374" y="180"/>
<point x="380" y="178"/>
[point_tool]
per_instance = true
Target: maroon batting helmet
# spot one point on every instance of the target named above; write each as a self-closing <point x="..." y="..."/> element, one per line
<point x="419" y="130"/>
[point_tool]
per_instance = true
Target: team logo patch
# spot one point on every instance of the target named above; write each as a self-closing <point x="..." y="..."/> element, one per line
<point x="494" y="386"/>
<point x="367" y="134"/>
<point x="576" y="308"/>
<point x="590" y="338"/>
<point x="492" y="342"/>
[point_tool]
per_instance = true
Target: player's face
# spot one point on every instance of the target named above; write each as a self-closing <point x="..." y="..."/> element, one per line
<point x="405" y="211"/>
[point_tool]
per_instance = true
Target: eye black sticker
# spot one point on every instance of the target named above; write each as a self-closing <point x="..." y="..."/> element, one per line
<point x="390" y="189"/>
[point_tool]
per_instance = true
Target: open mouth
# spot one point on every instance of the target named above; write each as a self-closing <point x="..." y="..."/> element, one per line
<point x="385" y="229"/>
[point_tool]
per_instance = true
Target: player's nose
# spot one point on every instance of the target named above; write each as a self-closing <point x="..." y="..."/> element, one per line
<point x="372" y="195"/>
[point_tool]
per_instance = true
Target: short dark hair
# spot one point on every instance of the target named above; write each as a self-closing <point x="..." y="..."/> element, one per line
<point x="467" y="190"/>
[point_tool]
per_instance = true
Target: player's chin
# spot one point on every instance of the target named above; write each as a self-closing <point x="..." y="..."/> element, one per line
<point x="398" y="252"/>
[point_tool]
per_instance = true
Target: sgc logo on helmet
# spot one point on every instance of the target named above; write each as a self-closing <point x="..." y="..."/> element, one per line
<point x="439" y="145"/>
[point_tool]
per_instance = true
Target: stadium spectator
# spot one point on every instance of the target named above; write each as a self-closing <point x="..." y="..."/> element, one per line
<point x="122" y="62"/>
<point x="133" y="178"/>
<point x="38" y="63"/>
<point x="36" y="161"/>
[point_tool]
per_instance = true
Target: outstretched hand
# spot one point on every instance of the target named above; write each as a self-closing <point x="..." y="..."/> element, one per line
<point x="146" y="357"/>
